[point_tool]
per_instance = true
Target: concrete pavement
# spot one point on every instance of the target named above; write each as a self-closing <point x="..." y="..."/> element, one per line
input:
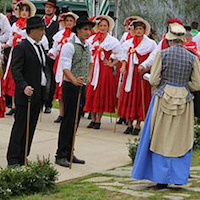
<point x="102" y="149"/>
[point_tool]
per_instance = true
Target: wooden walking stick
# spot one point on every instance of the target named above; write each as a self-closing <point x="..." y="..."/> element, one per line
<point x="118" y="96"/>
<point x="143" y="103"/>
<point x="75" y="126"/>
<point x="27" y="131"/>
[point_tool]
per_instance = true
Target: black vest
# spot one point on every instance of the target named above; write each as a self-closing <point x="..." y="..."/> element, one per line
<point x="51" y="31"/>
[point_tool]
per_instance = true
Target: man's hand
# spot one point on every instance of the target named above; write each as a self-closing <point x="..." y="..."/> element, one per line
<point x="141" y="69"/>
<point x="123" y="69"/>
<point x="50" y="55"/>
<point x="78" y="81"/>
<point x="4" y="46"/>
<point x="28" y="91"/>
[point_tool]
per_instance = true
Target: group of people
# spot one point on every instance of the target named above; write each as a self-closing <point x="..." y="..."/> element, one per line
<point x="65" y="57"/>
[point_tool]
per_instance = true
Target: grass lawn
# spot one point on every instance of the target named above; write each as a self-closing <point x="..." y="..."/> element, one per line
<point x="78" y="190"/>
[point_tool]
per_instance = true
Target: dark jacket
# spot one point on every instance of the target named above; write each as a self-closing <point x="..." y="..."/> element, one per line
<point x="26" y="70"/>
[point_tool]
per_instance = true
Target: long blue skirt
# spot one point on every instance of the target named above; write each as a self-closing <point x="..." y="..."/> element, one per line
<point x="158" y="168"/>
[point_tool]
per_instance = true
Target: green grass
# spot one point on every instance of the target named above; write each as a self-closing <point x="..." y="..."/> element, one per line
<point x="76" y="190"/>
<point x="195" y="158"/>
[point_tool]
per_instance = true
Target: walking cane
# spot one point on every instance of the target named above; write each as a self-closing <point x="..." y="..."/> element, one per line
<point x="75" y="127"/>
<point x="118" y="95"/>
<point x="143" y="103"/>
<point x="27" y="131"/>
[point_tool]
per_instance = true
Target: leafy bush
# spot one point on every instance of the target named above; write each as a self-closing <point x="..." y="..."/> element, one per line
<point x="196" y="137"/>
<point x="39" y="176"/>
<point x="132" y="147"/>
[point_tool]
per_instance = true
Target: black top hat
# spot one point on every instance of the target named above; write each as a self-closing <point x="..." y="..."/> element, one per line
<point x="51" y="2"/>
<point x="82" y="21"/>
<point x="34" y="22"/>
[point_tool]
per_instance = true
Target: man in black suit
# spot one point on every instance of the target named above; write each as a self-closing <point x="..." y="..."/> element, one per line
<point x="52" y="27"/>
<point x="31" y="81"/>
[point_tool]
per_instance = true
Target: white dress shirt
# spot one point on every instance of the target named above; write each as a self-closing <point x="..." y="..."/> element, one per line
<point x="5" y="28"/>
<point x="42" y="60"/>
<point x="67" y="53"/>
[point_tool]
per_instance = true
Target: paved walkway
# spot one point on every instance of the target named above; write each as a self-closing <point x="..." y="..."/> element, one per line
<point x="102" y="149"/>
<point x="119" y="180"/>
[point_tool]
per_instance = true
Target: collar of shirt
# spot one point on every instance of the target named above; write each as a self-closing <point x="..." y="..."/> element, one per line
<point x="77" y="41"/>
<point x="32" y="41"/>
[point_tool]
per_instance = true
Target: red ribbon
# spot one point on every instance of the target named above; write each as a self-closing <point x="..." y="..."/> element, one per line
<point x="66" y="34"/>
<point x="15" y="38"/>
<point x="98" y="37"/>
<point x="192" y="46"/>
<point x="21" y="22"/>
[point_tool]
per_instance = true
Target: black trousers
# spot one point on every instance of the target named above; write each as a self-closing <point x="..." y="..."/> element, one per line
<point x="70" y="99"/>
<point x="48" y="102"/>
<point x="16" y="148"/>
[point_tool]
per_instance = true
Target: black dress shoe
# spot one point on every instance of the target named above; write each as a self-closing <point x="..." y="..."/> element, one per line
<point x="11" y="112"/>
<point x="91" y="125"/>
<point x="161" y="186"/>
<point x="59" y="119"/>
<point x="62" y="162"/>
<point x="121" y="121"/>
<point x="136" y="131"/>
<point x="47" y="110"/>
<point x="97" y="125"/>
<point x="128" y="130"/>
<point x="90" y="115"/>
<point x="78" y="161"/>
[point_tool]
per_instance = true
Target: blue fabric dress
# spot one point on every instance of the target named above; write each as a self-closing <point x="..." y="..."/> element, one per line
<point x="158" y="168"/>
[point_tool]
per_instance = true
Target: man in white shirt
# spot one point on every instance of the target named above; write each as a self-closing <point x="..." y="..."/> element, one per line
<point x="75" y="61"/>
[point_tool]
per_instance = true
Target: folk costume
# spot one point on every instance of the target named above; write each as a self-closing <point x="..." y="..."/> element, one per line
<point x="163" y="44"/>
<point x="75" y="58"/>
<point x="28" y="69"/>
<point x="126" y="36"/>
<point x="100" y="94"/>
<point x="17" y="34"/>
<point x="136" y="93"/>
<point x="4" y="28"/>
<point x="165" y="150"/>
<point x="60" y="38"/>
<point x="51" y="28"/>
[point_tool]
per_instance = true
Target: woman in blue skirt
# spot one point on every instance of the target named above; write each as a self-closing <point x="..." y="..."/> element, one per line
<point x="165" y="150"/>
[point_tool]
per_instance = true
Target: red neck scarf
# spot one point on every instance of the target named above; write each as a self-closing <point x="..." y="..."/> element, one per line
<point x="129" y="36"/>
<point x="66" y="34"/>
<point x="47" y="19"/>
<point x="98" y="37"/>
<point x="165" y="44"/>
<point x="21" y="23"/>
<point x="136" y="40"/>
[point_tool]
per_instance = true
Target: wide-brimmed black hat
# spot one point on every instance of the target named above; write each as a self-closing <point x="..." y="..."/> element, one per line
<point x="34" y="22"/>
<point x="82" y="21"/>
<point x="51" y="2"/>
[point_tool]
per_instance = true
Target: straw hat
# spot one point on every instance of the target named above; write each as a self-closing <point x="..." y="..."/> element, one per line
<point x="176" y="32"/>
<point x="146" y="23"/>
<point x="75" y="16"/>
<point x="25" y="2"/>
<point x="129" y="20"/>
<point x="100" y="18"/>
